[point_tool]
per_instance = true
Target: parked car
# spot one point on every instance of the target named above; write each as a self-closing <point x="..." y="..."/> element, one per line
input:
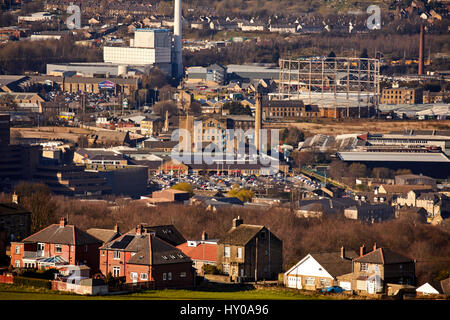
<point x="333" y="289"/>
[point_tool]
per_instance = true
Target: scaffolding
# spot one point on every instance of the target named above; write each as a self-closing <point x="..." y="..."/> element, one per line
<point x="337" y="82"/>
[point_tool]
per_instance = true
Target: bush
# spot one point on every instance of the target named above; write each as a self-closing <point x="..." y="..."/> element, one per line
<point x="210" y="269"/>
<point x="47" y="274"/>
<point x="32" y="282"/>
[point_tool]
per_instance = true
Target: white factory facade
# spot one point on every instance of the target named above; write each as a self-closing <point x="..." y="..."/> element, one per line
<point x="149" y="47"/>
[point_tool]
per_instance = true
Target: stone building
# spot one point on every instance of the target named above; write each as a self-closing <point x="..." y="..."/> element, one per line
<point x="249" y="252"/>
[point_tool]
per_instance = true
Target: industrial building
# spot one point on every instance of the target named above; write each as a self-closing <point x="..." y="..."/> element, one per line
<point x="401" y="96"/>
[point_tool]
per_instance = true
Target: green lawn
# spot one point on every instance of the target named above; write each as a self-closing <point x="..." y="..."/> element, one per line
<point x="10" y="292"/>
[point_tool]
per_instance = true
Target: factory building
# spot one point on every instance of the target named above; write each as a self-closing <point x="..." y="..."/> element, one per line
<point x="149" y="47"/>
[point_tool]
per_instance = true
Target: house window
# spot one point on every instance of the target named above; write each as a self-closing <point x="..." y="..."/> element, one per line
<point x="164" y="276"/>
<point x="169" y="276"/>
<point x="103" y="252"/>
<point x="40" y="246"/>
<point x="17" y="249"/>
<point x="183" y="275"/>
<point x="227" y="252"/>
<point x="117" y="255"/>
<point x="239" y="253"/>
<point x="144" y="276"/>
<point x="364" y="267"/>
<point x="17" y="264"/>
<point x="58" y="248"/>
<point x="116" y="271"/>
<point x="225" y="268"/>
<point x="324" y="282"/>
<point x="309" y="281"/>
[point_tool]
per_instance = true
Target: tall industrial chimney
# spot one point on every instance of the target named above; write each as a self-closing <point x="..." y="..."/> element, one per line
<point x="421" y="46"/>
<point x="177" y="36"/>
<point x="258" y="121"/>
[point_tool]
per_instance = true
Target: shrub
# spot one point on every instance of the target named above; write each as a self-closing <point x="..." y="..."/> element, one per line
<point x="210" y="269"/>
<point x="32" y="282"/>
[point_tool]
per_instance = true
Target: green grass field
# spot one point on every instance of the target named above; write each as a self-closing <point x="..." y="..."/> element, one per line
<point x="10" y="292"/>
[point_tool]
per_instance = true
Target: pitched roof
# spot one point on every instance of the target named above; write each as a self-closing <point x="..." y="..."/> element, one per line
<point x="12" y="208"/>
<point x="240" y="235"/>
<point x="105" y="235"/>
<point x="383" y="256"/>
<point x="445" y="285"/>
<point x="333" y="263"/>
<point x="149" y="249"/>
<point x="68" y="234"/>
<point x="395" y="188"/>
<point x="203" y="251"/>
<point x="167" y="233"/>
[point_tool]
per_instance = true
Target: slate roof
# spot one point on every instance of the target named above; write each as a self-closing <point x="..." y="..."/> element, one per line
<point x="105" y="235"/>
<point x="240" y="235"/>
<point x="12" y="208"/>
<point x="394" y="188"/>
<point x="445" y="285"/>
<point x="68" y="234"/>
<point x="383" y="256"/>
<point x="333" y="263"/>
<point x="149" y="249"/>
<point x="167" y="233"/>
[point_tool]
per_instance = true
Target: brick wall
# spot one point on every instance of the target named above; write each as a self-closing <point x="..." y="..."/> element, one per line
<point x="7" y="278"/>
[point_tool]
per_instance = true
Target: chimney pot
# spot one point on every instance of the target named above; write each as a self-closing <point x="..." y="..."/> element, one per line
<point x="116" y="228"/>
<point x="204" y="236"/>
<point x="62" y="222"/>
<point x="343" y="252"/>
<point x="374" y="246"/>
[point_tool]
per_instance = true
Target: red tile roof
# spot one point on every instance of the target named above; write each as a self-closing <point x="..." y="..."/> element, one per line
<point x="203" y="251"/>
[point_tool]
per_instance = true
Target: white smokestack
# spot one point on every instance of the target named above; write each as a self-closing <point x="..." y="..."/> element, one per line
<point x="177" y="36"/>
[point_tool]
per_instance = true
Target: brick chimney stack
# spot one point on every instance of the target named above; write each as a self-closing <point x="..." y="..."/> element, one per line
<point x="62" y="222"/>
<point x="421" y="46"/>
<point x="15" y="198"/>
<point x="140" y="229"/>
<point x="237" y="222"/>
<point x="204" y="236"/>
<point x="343" y="252"/>
<point x="116" y="228"/>
<point x="374" y="246"/>
<point x="362" y="250"/>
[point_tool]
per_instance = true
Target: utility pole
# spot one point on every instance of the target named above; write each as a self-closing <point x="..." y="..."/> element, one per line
<point x="256" y="260"/>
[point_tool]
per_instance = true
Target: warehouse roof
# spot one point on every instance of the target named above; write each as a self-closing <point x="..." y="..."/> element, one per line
<point x="393" y="156"/>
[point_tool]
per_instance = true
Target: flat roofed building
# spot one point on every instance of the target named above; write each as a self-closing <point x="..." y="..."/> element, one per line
<point x="72" y="180"/>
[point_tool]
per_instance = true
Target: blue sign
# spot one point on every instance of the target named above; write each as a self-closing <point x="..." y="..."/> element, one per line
<point x="106" y="85"/>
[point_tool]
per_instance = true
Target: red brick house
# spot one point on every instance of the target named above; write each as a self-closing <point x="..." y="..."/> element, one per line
<point x="56" y="245"/>
<point x="141" y="256"/>
<point x="201" y="252"/>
